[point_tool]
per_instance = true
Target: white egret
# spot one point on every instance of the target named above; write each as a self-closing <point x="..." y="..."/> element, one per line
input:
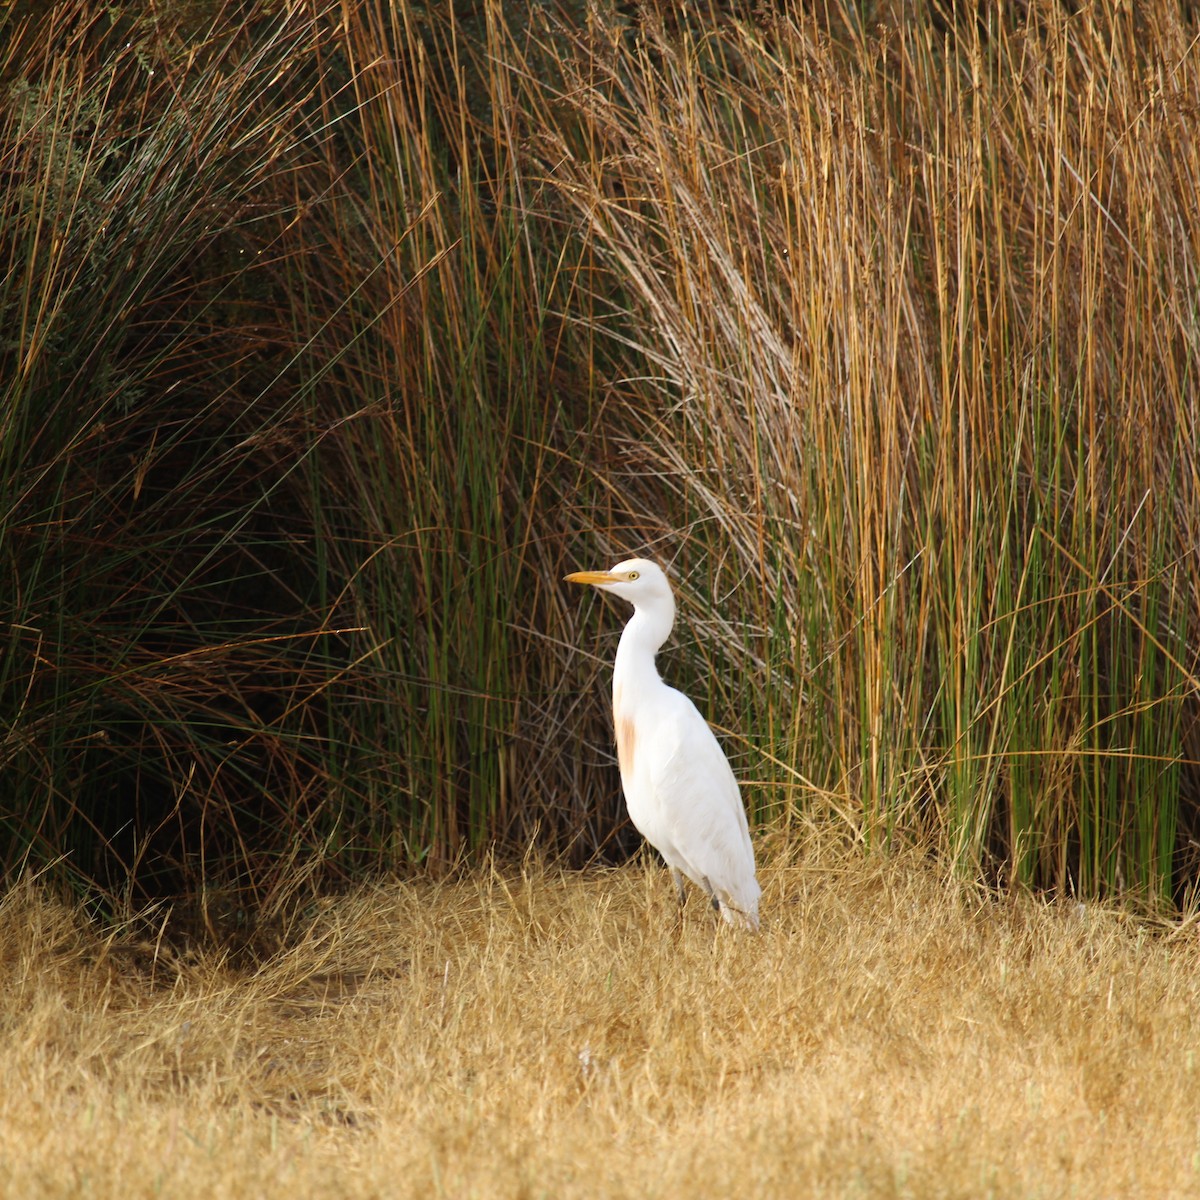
<point x="679" y="788"/>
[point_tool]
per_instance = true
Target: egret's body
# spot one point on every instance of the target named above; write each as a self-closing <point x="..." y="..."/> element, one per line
<point x="678" y="785"/>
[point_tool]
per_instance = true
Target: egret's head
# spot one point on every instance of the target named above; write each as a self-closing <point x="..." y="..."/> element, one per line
<point x="643" y="583"/>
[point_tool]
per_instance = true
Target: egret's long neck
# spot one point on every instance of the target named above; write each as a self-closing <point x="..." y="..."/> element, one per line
<point x="634" y="672"/>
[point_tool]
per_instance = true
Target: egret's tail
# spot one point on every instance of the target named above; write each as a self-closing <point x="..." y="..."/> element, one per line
<point x="740" y="918"/>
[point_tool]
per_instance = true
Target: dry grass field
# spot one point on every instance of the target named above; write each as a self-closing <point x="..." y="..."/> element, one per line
<point x="540" y="1033"/>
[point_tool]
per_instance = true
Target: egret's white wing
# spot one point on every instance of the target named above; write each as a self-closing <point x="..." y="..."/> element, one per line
<point x="695" y="810"/>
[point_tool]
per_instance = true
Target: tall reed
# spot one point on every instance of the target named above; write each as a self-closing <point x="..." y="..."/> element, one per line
<point x="334" y="334"/>
<point x="285" y="418"/>
<point x="917" y="311"/>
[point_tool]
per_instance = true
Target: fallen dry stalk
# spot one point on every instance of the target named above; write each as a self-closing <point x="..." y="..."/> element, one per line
<point x="890" y="1032"/>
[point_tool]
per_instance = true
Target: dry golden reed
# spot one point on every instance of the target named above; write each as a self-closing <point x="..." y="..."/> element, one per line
<point x="877" y="326"/>
<point x="892" y="1032"/>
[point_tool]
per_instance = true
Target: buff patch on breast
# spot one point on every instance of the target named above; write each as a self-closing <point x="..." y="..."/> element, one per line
<point x="626" y="744"/>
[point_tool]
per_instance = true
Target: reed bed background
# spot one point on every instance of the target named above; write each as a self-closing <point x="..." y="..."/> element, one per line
<point x="333" y="334"/>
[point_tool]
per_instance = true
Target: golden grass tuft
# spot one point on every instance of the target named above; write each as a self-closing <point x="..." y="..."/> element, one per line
<point x="891" y="1032"/>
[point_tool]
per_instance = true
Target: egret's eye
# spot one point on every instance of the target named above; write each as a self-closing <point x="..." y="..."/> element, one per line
<point x="632" y="575"/>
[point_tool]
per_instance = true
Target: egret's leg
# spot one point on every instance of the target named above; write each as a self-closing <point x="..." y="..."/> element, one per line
<point x="712" y="895"/>
<point x="677" y="876"/>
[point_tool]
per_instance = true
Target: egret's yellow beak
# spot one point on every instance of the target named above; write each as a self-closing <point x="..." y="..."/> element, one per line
<point x="597" y="577"/>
